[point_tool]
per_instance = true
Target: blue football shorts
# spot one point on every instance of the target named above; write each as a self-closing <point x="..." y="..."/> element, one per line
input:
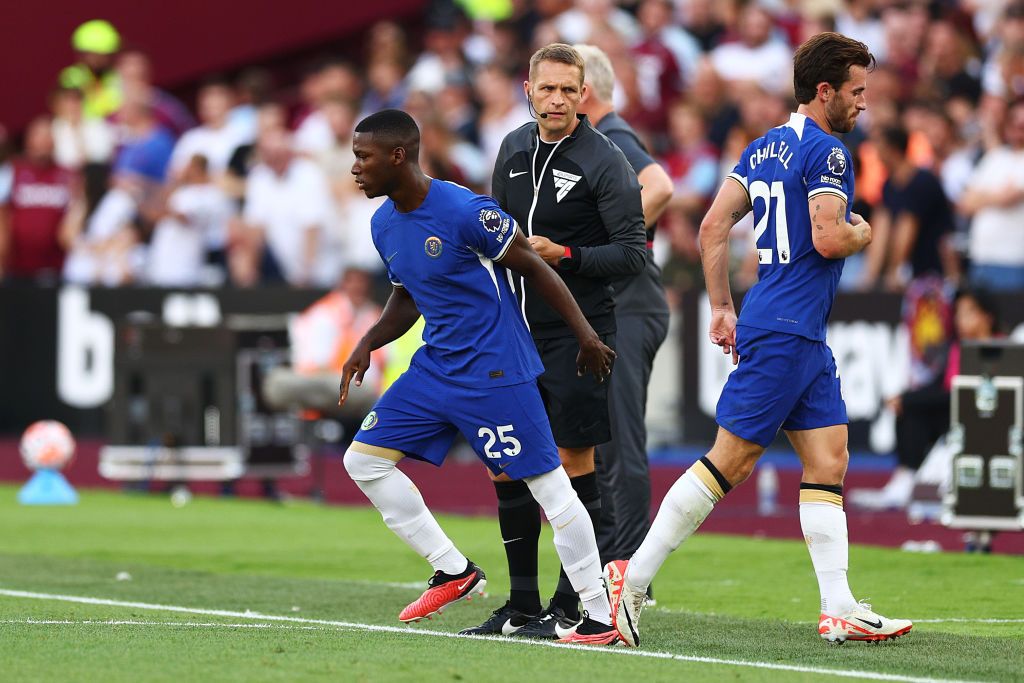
<point x="420" y="415"/>
<point x="782" y="381"/>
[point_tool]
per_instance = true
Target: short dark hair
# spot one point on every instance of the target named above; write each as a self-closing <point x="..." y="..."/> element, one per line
<point x="896" y="136"/>
<point x="986" y="301"/>
<point x="392" y="128"/>
<point x="827" y="57"/>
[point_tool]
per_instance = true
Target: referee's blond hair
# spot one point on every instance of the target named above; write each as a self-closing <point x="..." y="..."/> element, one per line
<point x="561" y="53"/>
<point x="600" y="74"/>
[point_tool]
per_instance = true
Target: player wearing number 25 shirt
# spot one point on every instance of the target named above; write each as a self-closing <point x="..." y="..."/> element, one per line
<point x="450" y="256"/>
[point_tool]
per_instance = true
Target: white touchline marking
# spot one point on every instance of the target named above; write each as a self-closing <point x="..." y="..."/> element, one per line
<point x="967" y="620"/>
<point x="946" y="620"/>
<point x="133" y="622"/>
<point x="248" y="614"/>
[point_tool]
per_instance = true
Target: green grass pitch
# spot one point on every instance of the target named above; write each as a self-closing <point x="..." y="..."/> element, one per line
<point x="267" y="592"/>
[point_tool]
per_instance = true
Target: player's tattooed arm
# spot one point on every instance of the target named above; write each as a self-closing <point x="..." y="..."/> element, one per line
<point x="594" y="356"/>
<point x="731" y="204"/>
<point x="400" y="314"/>
<point x="833" y="236"/>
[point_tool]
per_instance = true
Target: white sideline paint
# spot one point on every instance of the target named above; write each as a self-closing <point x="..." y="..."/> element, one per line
<point x="132" y="622"/>
<point x="945" y="620"/>
<point x="967" y="620"/>
<point x="248" y="614"/>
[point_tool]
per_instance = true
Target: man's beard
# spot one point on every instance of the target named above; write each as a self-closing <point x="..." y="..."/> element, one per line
<point x="837" y="118"/>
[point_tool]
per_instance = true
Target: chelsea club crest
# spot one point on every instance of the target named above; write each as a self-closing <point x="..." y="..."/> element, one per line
<point x="370" y="421"/>
<point x="432" y="246"/>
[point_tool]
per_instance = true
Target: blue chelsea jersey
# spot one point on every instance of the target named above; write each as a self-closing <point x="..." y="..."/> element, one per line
<point x="781" y="171"/>
<point x="445" y="253"/>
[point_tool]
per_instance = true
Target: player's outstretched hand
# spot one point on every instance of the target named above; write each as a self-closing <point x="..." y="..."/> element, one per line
<point x="355" y="367"/>
<point x="723" y="331"/>
<point x="595" y="358"/>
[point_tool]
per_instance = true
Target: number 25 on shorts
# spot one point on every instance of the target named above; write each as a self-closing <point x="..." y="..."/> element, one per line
<point x="504" y="435"/>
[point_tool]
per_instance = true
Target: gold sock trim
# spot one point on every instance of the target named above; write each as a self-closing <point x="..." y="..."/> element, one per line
<point x="704" y="474"/>
<point x="815" y="496"/>
<point x="379" y="451"/>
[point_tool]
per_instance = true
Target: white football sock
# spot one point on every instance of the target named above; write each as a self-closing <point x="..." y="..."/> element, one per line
<point x="403" y="509"/>
<point x="574" y="540"/>
<point x="686" y="505"/>
<point x="824" y="527"/>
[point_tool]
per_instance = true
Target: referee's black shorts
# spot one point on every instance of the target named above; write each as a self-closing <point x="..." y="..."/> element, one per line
<point x="577" y="406"/>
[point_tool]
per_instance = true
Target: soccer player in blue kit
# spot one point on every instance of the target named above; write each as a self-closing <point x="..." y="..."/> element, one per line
<point x="450" y="255"/>
<point x="798" y="180"/>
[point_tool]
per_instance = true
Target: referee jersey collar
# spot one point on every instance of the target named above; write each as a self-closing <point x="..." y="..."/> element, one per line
<point x="584" y="122"/>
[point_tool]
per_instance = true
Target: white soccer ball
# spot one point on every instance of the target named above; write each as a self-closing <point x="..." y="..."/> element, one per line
<point x="47" y="444"/>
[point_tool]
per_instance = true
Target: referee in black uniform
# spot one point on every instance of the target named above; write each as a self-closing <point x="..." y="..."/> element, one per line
<point x="576" y="196"/>
<point x="642" y="317"/>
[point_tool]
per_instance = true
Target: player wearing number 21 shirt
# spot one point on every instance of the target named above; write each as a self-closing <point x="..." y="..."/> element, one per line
<point x="450" y="256"/>
<point x="798" y="181"/>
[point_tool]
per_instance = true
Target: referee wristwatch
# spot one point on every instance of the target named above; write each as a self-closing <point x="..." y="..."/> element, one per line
<point x="569" y="260"/>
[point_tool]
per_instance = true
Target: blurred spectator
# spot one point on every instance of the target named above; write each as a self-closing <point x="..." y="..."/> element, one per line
<point x="911" y="227"/>
<point x="78" y="140"/>
<point x="1003" y="76"/>
<point x="922" y="414"/>
<point x="707" y="94"/>
<point x="335" y="80"/>
<point x="136" y="73"/>
<point x="858" y="20"/>
<point x="252" y="90"/>
<point x="692" y="164"/>
<point x="995" y="200"/>
<point x="197" y="214"/>
<point x="445" y="157"/>
<point x="214" y="138"/>
<point x="348" y="230"/>
<point x="905" y="24"/>
<point x="588" y="18"/>
<point x="659" y="60"/>
<point x="949" y="67"/>
<point x="322" y="338"/>
<point x="502" y="108"/>
<point x="442" y="59"/>
<point x="758" y="56"/>
<point x="287" y="211"/>
<point x="95" y="43"/>
<point x="454" y="104"/>
<point x="953" y="161"/>
<point x="269" y="117"/>
<point x="34" y="211"/>
<point x="701" y="20"/>
<point x="385" y="79"/>
<point x="106" y="250"/>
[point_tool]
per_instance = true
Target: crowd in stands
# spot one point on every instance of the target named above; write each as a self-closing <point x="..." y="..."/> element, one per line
<point x="120" y="183"/>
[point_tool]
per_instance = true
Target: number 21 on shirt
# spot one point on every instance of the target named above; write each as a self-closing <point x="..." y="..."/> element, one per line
<point x="761" y="190"/>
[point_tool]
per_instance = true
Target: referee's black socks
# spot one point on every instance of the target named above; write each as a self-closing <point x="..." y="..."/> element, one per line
<point x="519" y="519"/>
<point x="586" y="488"/>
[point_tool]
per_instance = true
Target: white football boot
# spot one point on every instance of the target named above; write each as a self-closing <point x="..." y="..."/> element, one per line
<point x="626" y="603"/>
<point x="860" y="623"/>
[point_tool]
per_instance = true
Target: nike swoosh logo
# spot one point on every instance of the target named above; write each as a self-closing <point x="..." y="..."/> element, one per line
<point x="513" y="174"/>
<point x="564" y="632"/>
<point x="872" y="624"/>
<point x="512" y="540"/>
<point x="508" y="628"/>
<point x="562" y="526"/>
<point x="392" y="256"/>
<point x="468" y="581"/>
